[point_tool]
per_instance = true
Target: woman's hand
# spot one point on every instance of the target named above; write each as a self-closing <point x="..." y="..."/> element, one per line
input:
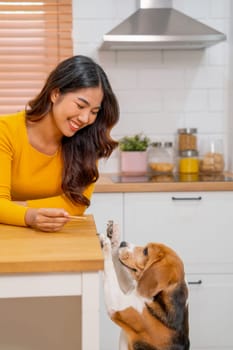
<point x="46" y="219"/>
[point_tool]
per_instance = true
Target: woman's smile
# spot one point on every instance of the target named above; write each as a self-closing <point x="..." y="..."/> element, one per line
<point x="75" y="110"/>
<point x="74" y="126"/>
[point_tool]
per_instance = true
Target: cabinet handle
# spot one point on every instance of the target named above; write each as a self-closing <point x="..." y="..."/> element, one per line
<point x="187" y="198"/>
<point x="195" y="282"/>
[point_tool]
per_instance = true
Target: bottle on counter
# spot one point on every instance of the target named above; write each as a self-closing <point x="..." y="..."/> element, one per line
<point x="160" y="158"/>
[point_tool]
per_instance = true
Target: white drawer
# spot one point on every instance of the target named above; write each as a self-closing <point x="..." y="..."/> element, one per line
<point x="210" y="311"/>
<point x="199" y="226"/>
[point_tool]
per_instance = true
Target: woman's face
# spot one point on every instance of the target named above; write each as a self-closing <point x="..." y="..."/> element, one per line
<point x="75" y="110"/>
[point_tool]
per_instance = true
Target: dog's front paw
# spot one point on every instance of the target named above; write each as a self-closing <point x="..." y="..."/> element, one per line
<point x="105" y="245"/>
<point x="116" y="237"/>
<point x="110" y="229"/>
<point x="113" y="233"/>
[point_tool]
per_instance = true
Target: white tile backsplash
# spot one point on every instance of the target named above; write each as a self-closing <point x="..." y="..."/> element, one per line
<point x="90" y="9"/>
<point x="199" y="9"/>
<point x="218" y="54"/>
<point x="161" y="78"/>
<point x="185" y="58"/>
<point x="139" y="59"/>
<point x="216" y="100"/>
<point x="144" y="101"/>
<point x="160" y="91"/>
<point x="220" y="9"/>
<point x="208" y="77"/>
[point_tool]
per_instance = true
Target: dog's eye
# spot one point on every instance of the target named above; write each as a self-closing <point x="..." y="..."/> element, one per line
<point x="145" y="251"/>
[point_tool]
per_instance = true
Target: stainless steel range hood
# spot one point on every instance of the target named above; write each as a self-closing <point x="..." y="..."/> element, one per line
<point x="156" y="25"/>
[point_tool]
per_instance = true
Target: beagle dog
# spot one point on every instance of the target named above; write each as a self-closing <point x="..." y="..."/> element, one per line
<point x="145" y="294"/>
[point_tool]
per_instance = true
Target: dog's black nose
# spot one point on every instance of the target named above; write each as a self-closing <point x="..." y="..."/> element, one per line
<point x="123" y="244"/>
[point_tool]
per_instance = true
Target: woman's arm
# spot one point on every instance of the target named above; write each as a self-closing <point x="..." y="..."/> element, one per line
<point x="62" y="201"/>
<point x="30" y="213"/>
<point x="46" y="214"/>
<point x="45" y="219"/>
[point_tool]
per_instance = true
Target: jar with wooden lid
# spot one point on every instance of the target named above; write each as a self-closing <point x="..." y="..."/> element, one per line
<point x="187" y="139"/>
<point x="188" y="162"/>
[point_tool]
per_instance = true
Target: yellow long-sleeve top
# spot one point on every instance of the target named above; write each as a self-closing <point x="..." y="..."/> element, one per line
<point x="29" y="175"/>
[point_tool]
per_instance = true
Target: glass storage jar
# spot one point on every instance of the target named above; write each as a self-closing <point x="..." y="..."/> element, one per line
<point x="168" y="145"/>
<point x="160" y="160"/>
<point x="187" y="139"/>
<point x="188" y="162"/>
<point x="212" y="156"/>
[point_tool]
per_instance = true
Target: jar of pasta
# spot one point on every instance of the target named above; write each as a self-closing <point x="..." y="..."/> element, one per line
<point x="188" y="162"/>
<point x="187" y="139"/>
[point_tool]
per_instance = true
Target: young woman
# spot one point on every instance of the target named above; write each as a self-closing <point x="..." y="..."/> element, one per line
<point x="49" y="153"/>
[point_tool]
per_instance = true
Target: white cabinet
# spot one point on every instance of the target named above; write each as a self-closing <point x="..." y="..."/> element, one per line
<point x="211" y="311"/>
<point x="199" y="226"/>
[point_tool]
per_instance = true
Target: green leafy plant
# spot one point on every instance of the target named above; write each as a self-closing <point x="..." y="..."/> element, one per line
<point x="138" y="142"/>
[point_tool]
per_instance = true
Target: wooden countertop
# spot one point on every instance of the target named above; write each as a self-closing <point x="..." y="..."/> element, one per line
<point x="75" y="248"/>
<point x="105" y="184"/>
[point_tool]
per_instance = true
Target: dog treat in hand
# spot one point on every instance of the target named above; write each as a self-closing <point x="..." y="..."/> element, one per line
<point x="77" y="218"/>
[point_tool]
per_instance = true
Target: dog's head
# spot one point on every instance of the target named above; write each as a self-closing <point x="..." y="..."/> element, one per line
<point x="155" y="267"/>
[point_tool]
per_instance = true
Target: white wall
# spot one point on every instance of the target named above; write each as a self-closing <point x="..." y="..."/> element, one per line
<point x="160" y="91"/>
<point x="230" y="92"/>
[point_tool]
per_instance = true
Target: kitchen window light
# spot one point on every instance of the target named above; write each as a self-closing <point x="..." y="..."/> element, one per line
<point x="34" y="37"/>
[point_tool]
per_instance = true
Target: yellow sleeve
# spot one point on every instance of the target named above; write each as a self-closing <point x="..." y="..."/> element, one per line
<point x="10" y="212"/>
<point x="14" y="214"/>
<point x="62" y="202"/>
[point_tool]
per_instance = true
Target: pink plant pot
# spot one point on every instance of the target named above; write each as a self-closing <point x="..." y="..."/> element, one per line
<point x="133" y="162"/>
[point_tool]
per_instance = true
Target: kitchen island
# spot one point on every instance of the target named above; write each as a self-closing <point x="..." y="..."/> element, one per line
<point x="66" y="263"/>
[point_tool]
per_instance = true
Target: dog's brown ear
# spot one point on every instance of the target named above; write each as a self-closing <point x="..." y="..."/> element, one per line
<point x="163" y="270"/>
<point x="149" y="283"/>
<point x="148" y="280"/>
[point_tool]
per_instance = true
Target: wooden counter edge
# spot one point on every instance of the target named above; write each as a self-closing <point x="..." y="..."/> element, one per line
<point x="50" y="267"/>
<point x="106" y="185"/>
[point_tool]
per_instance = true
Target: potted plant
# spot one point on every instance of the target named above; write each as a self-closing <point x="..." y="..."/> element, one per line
<point x="133" y="154"/>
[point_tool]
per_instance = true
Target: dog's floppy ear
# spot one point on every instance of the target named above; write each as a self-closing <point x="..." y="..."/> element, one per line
<point x="162" y="271"/>
<point x="148" y="282"/>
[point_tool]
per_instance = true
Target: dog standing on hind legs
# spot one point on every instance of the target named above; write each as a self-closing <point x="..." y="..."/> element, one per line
<point x="145" y="294"/>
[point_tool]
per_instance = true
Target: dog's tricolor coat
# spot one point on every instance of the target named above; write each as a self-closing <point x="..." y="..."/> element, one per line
<point x="146" y="294"/>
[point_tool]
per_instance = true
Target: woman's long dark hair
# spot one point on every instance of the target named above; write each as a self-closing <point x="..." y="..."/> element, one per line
<point x="82" y="150"/>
